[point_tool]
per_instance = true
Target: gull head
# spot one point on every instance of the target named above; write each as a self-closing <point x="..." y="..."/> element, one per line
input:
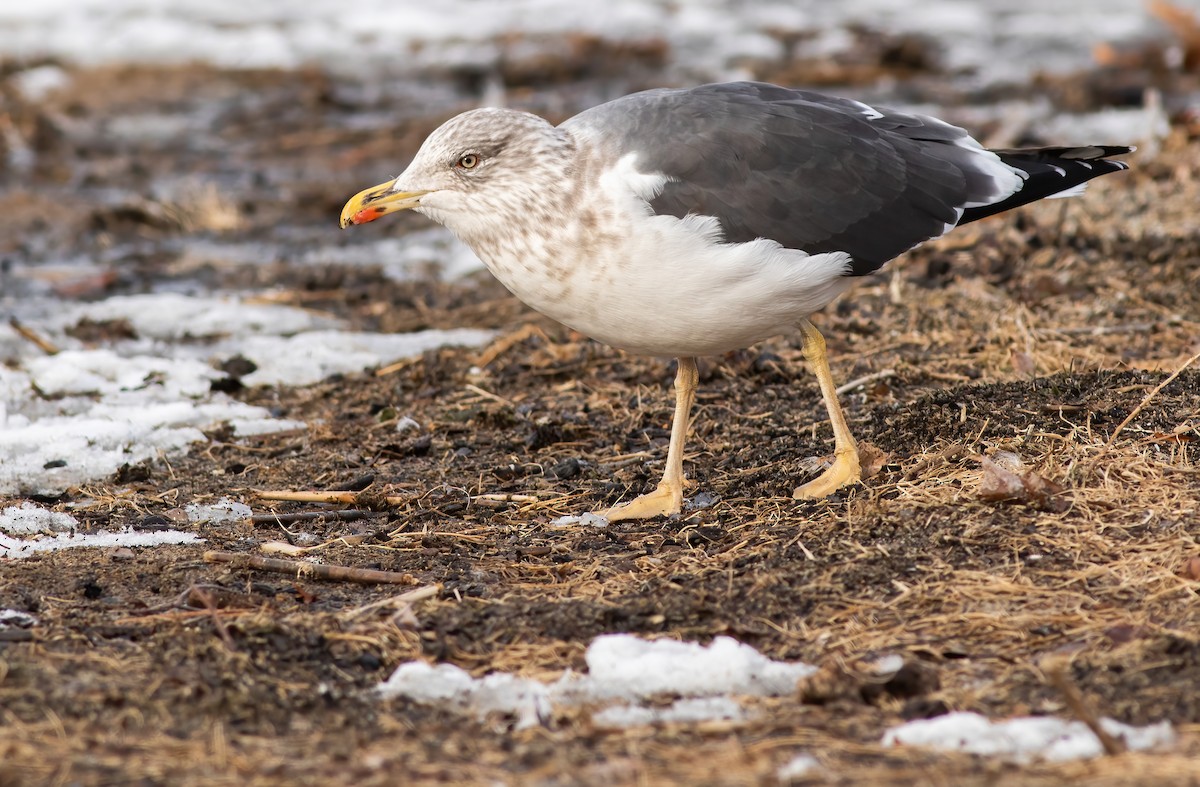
<point x="473" y="173"/>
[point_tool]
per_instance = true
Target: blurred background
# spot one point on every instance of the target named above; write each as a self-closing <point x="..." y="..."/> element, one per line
<point x="142" y="137"/>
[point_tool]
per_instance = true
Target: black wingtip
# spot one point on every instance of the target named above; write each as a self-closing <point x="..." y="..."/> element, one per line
<point x="1050" y="171"/>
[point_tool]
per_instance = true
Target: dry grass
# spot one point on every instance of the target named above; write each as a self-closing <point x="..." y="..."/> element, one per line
<point x="204" y="208"/>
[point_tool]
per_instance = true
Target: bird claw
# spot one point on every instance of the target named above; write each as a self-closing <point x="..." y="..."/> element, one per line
<point x="665" y="500"/>
<point x="843" y="472"/>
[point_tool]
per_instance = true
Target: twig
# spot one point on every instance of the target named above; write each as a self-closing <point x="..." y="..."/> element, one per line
<point x="395" y="367"/>
<point x="212" y="609"/>
<point x="475" y="389"/>
<point x="372" y="500"/>
<point x="402" y="600"/>
<point x="866" y="378"/>
<point x="505" y="343"/>
<point x="496" y="500"/>
<point x="1106" y="330"/>
<point x="364" y="498"/>
<point x="947" y="377"/>
<point x="303" y="569"/>
<point x="309" y="516"/>
<point x="1055" y="670"/>
<point x="1145" y="401"/>
<point x="43" y="344"/>
<point x="221" y="595"/>
<point x="286" y="548"/>
<point x="948" y="454"/>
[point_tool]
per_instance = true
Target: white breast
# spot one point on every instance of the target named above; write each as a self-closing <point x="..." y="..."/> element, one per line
<point x="659" y="285"/>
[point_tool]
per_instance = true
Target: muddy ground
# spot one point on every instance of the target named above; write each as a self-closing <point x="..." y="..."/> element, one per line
<point x="1035" y="334"/>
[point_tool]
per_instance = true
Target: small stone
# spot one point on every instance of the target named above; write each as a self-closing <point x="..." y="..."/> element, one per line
<point x="566" y="469"/>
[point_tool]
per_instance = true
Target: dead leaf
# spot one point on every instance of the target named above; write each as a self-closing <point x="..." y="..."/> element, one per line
<point x="999" y="483"/>
<point x="871" y="459"/>
<point x="1005" y="478"/>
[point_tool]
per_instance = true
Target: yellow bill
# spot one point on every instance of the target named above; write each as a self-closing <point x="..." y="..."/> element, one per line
<point x="370" y="204"/>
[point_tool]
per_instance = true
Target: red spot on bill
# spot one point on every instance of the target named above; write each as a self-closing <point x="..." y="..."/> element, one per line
<point x="367" y="214"/>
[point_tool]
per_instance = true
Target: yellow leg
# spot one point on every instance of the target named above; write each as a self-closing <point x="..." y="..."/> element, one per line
<point x="667" y="498"/>
<point x="845" y="468"/>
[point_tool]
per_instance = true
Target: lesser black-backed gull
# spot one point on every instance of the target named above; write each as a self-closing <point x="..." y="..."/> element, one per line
<point x="693" y="222"/>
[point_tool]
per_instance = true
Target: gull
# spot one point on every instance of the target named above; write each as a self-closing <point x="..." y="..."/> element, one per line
<point x="692" y="222"/>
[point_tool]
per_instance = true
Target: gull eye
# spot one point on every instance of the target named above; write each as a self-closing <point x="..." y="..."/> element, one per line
<point x="469" y="161"/>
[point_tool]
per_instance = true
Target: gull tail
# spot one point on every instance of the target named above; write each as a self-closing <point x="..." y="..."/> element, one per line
<point x="1051" y="172"/>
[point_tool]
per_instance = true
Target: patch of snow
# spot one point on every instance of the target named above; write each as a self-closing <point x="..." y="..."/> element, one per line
<point x="38" y="82"/>
<point x="172" y="316"/>
<point x="529" y="701"/>
<point x="889" y="664"/>
<point x="407" y="424"/>
<point x="257" y="422"/>
<point x="686" y="711"/>
<point x="82" y="413"/>
<point x="21" y="548"/>
<point x="1024" y="739"/>
<point x="797" y="768"/>
<point x="104" y="373"/>
<point x="587" y="520"/>
<point x="622" y="669"/>
<point x="48" y="446"/>
<point x="312" y="356"/>
<point x="14" y="619"/>
<point x="222" y="512"/>
<point x="422" y="254"/>
<point x="705" y="39"/>
<point x="181" y="337"/>
<point x="632" y="667"/>
<point x="31" y="518"/>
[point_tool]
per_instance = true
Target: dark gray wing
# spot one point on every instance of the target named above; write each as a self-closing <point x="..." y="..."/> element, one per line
<point x="810" y="171"/>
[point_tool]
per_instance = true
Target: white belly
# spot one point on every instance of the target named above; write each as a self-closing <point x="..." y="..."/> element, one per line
<point x="670" y="288"/>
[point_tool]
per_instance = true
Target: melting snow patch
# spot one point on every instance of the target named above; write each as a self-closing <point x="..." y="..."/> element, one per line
<point x="310" y="357"/>
<point x="222" y="512"/>
<point x="797" y="768"/>
<point x="703" y="39"/>
<point x="13" y="619"/>
<point x="627" y="667"/>
<point x="30" y="518"/>
<point x="888" y="664"/>
<point x="587" y="520"/>
<point x="81" y="414"/>
<point x="407" y="423"/>
<point x="422" y="254"/>
<point x="87" y="440"/>
<point x="1023" y="739"/>
<point x="171" y="316"/>
<point x="621" y="668"/>
<point x="685" y="711"/>
<point x="38" y="82"/>
<point x="17" y="548"/>
<point x="104" y="373"/>
<point x="527" y="700"/>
